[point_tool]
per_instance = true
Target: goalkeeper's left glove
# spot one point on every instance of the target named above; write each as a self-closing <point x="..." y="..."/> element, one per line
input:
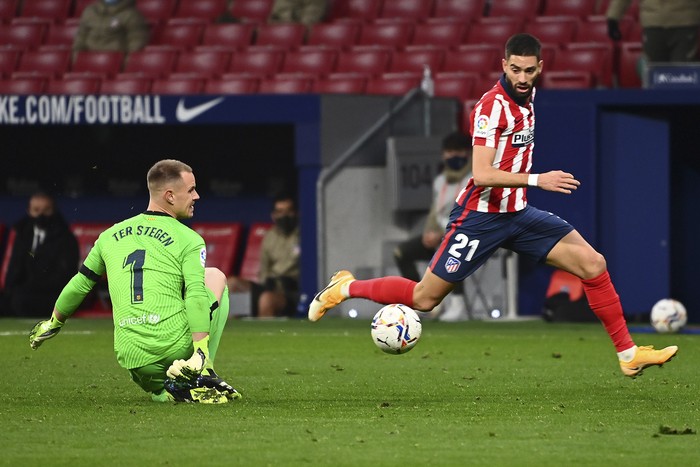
<point x="44" y="330"/>
<point x="191" y="368"/>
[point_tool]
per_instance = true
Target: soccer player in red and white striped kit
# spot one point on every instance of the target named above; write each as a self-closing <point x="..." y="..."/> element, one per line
<point x="492" y="212"/>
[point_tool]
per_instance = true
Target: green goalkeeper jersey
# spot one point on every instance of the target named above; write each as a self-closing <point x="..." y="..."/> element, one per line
<point x="155" y="272"/>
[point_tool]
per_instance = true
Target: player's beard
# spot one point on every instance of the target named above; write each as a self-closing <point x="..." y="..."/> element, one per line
<point x="521" y="98"/>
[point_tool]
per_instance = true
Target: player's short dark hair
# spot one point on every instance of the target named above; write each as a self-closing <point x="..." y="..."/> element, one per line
<point x="523" y="45"/>
<point x="164" y="172"/>
<point x="456" y="141"/>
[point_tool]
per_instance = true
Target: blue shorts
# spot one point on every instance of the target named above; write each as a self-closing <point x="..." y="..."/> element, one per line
<point x="472" y="237"/>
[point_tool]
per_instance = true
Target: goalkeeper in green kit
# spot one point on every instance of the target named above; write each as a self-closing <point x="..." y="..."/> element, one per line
<point x="169" y="309"/>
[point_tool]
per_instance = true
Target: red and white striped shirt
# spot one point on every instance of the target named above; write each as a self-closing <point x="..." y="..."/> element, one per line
<point x="498" y="121"/>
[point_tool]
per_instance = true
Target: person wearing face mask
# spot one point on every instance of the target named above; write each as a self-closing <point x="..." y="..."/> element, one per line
<point x="457" y="169"/>
<point x="277" y="291"/>
<point x="111" y="25"/>
<point x="44" y="257"/>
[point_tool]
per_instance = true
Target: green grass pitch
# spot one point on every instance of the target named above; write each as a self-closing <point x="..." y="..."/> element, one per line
<point x="474" y="393"/>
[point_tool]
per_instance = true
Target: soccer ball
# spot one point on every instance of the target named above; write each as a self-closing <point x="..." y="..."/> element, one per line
<point x="668" y="315"/>
<point x="396" y="329"/>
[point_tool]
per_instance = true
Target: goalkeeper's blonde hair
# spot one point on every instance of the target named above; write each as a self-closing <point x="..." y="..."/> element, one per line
<point x="164" y="173"/>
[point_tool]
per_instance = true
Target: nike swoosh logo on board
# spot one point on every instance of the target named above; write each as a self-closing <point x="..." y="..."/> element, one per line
<point x="184" y="114"/>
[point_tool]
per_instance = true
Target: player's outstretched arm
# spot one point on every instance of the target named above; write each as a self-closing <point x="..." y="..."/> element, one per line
<point x="44" y="330"/>
<point x="558" y="181"/>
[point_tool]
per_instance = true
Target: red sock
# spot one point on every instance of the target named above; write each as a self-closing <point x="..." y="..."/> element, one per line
<point x="384" y="290"/>
<point x="605" y="303"/>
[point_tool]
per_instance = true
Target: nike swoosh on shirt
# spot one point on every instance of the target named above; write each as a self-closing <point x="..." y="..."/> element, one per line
<point x="184" y="114"/>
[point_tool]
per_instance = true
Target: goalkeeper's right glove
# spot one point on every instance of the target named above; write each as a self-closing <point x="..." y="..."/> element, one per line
<point x="44" y="330"/>
<point x="191" y="368"/>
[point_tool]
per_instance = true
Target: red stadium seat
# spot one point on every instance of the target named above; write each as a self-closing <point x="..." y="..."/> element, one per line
<point x="485" y="82"/>
<point x="372" y="62"/>
<point x="232" y="85"/>
<point x="151" y="63"/>
<point x="178" y="86"/>
<point x="393" y="83"/>
<point x="459" y="85"/>
<point x="394" y="34"/>
<point x="628" y="66"/>
<point x="8" y="10"/>
<point x="595" y="29"/>
<point x="223" y="240"/>
<point x="74" y="86"/>
<point x="593" y="57"/>
<point x="209" y="10"/>
<point x="54" y="63"/>
<point x="286" y="85"/>
<point x="365" y="10"/>
<point x="250" y="266"/>
<point x="156" y="11"/>
<point x="9" y="59"/>
<point x="440" y="32"/>
<point x="632" y="9"/>
<point x="6" y="256"/>
<point x="52" y="10"/>
<point x="86" y="233"/>
<point x="259" y="61"/>
<point x="580" y="8"/>
<point x="130" y="85"/>
<point x="27" y="36"/>
<point x="55" y="10"/>
<point x="210" y="64"/>
<point x="553" y="29"/>
<point x="415" y="10"/>
<point x="107" y="62"/>
<point x="180" y="33"/>
<point x="252" y="11"/>
<point x="232" y="36"/>
<point x="23" y="86"/>
<point x="337" y="84"/>
<point x="316" y="62"/>
<point x="61" y="34"/>
<point x="523" y="9"/>
<point x="343" y="34"/>
<point x="493" y="31"/>
<point x="467" y="10"/>
<point x="287" y="35"/>
<point x="473" y="58"/>
<point x="567" y="80"/>
<point x="415" y="60"/>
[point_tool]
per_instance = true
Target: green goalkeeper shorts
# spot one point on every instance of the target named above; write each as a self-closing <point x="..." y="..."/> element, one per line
<point x="151" y="377"/>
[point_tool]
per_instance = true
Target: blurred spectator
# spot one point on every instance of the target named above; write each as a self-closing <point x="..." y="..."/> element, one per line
<point x="306" y="12"/>
<point x="457" y="170"/>
<point x="44" y="257"/>
<point x="111" y="25"/>
<point x="277" y="291"/>
<point x="670" y="28"/>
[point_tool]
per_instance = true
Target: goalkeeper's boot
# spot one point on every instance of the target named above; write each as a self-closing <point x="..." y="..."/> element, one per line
<point x="183" y="391"/>
<point x="335" y="292"/>
<point x="647" y="356"/>
<point x="209" y="379"/>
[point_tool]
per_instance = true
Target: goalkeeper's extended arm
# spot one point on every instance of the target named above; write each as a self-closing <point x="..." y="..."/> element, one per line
<point x="46" y="329"/>
<point x="191" y="368"/>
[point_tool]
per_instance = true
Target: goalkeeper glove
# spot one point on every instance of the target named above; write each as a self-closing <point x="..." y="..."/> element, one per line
<point x="44" y="330"/>
<point x="191" y="368"/>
